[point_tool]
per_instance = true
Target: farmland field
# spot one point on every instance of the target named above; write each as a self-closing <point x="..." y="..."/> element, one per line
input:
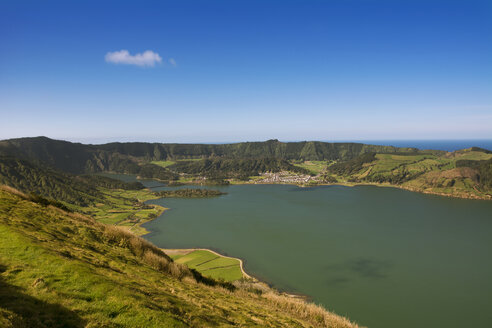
<point x="209" y="264"/>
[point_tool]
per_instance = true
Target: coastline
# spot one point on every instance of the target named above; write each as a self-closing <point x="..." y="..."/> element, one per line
<point x="346" y="184"/>
<point x="416" y="190"/>
<point x="143" y="231"/>
<point x="264" y="285"/>
<point x="253" y="279"/>
<point x="247" y="278"/>
<point x="355" y="184"/>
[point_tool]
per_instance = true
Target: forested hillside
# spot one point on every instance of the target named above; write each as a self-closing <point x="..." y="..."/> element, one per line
<point x="305" y="150"/>
<point x="222" y="168"/>
<point x="135" y="158"/>
<point x="79" y="190"/>
<point x="78" y="158"/>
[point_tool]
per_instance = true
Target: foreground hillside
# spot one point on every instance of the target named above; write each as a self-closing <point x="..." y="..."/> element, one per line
<point x="59" y="269"/>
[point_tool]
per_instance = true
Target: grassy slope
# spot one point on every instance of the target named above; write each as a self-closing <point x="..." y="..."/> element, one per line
<point x="425" y="171"/>
<point x="169" y="163"/>
<point x="110" y="201"/>
<point x="315" y="167"/>
<point x="118" y="207"/>
<point x="59" y="269"/>
<point x="429" y="173"/>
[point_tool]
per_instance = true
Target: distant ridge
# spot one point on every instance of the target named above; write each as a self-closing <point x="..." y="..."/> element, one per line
<point x="463" y="173"/>
<point x="81" y="158"/>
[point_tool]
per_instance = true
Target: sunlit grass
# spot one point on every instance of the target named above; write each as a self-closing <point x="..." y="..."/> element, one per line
<point x="124" y="208"/>
<point x="163" y="163"/>
<point x="211" y="265"/>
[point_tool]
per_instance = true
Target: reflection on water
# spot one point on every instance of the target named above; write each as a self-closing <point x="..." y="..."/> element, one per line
<point x="366" y="268"/>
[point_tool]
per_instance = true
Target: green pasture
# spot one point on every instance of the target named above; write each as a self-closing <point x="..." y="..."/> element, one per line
<point x="169" y="163"/>
<point x="163" y="163"/>
<point x="211" y="265"/>
<point x="124" y="208"/>
<point x="387" y="163"/>
<point x="473" y="155"/>
<point x="314" y="166"/>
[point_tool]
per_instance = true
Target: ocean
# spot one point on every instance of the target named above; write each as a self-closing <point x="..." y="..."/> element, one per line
<point x="447" y="145"/>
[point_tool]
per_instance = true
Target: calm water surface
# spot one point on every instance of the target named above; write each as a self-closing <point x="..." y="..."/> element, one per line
<point x="384" y="257"/>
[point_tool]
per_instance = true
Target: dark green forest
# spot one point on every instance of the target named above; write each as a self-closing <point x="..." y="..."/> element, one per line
<point x="80" y="158"/>
<point x="221" y="168"/>
<point x="484" y="168"/>
<point x="219" y="161"/>
<point x="353" y="165"/>
<point x="75" y="189"/>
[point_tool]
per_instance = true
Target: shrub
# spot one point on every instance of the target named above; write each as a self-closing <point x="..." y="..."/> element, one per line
<point x="157" y="262"/>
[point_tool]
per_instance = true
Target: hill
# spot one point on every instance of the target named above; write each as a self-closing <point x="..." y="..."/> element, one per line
<point x="465" y="173"/>
<point x="127" y="157"/>
<point x="223" y="168"/>
<point x="61" y="269"/>
<point x="79" y="190"/>
<point x="77" y="158"/>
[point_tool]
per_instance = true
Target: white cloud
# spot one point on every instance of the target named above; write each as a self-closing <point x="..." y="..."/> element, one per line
<point x="147" y="58"/>
<point x="172" y="61"/>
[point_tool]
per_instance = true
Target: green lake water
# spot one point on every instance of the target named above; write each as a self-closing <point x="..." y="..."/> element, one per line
<point x="383" y="257"/>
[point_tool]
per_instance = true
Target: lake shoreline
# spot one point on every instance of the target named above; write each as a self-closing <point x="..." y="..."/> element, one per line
<point x="189" y="250"/>
<point x="241" y="261"/>
<point x="252" y="279"/>
<point x="248" y="277"/>
<point x="317" y="295"/>
<point x="355" y="184"/>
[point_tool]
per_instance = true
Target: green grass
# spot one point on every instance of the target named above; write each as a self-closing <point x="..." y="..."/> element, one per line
<point x="422" y="171"/>
<point x="316" y="167"/>
<point x="427" y="172"/>
<point x="211" y="265"/>
<point x="163" y="163"/>
<point x="169" y="163"/>
<point x="42" y="262"/>
<point x="388" y="162"/>
<point x="123" y="208"/>
<point x="473" y="155"/>
<point x="59" y="269"/>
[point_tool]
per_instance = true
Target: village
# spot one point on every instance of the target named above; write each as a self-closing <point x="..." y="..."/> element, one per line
<point x="284" y="177"/>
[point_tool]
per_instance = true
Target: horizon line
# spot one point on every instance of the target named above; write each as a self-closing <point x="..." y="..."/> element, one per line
<point x="355" y="140"/>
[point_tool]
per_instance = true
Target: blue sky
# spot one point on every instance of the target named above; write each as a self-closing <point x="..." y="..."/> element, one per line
<point x="247" y="70"/>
